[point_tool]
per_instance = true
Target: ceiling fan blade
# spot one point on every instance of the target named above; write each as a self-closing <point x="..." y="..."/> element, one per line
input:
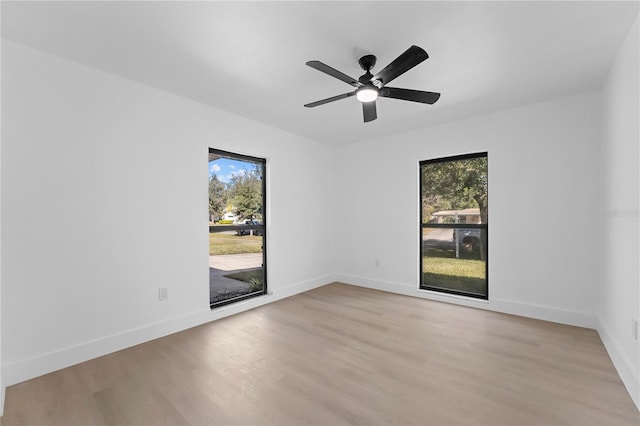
<point x="403" y="63"/>
<point x="409" y="95"/>
<point x="334" y="73"/>
<point x="369" y="111"/>
<point x="331" y="99"/>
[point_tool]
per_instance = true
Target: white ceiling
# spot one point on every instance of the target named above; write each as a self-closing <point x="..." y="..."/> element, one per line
<point x="249" y="57"/>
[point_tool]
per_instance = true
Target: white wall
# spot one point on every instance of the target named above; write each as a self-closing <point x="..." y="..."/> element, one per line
<point x="618" y="296"/>
<point x="543" y="207"/>
<point x="104" y="186"/>
<point x="2" y="386"/>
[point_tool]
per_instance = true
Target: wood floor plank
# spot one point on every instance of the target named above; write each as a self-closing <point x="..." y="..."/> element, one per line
<point x="342" y="355"/>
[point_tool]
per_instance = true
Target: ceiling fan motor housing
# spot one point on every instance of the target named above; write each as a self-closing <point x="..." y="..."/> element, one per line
<point x="367" y="62"/>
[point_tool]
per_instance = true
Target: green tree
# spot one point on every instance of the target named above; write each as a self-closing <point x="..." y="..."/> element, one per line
<point x="246" y="190"/>
<point x="455" y="185"/>
<point x="217" y="197"/>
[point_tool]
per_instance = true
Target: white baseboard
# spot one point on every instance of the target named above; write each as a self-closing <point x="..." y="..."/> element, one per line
<point x="303" y="286"/>
<point x="546" y="313"/>
<point x="630" y="376"/>
<point x="30" y="368"/>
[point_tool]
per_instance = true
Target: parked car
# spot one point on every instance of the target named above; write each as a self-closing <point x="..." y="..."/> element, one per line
<point x="250" y="231"/>
<point x="469" y="238"/>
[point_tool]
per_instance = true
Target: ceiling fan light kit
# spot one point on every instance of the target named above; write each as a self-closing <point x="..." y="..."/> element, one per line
<point x="369" y="87"/>
<point x="367" y="94"/>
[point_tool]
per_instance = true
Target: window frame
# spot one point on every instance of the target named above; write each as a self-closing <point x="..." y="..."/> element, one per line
<point x="422" y="226"/>
<point x="214" y="228"/>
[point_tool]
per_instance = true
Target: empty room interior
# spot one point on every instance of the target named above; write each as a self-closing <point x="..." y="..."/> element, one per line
<point x="457" y="246"/>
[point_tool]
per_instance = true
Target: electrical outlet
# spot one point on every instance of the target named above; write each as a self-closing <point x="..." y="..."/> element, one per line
<point x="163" y="293"/>
<point x="376" y="262"/>
<point x="634" y="328"/>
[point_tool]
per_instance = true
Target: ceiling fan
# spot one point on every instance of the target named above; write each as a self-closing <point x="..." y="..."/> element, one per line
<point x="369" y="87"/>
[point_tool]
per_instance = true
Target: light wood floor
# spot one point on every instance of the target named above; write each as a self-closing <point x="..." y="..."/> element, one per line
<point x="342" y="355"/>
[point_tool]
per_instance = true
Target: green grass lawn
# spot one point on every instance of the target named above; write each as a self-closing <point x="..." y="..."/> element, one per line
<point x="454" y="267"/>
<point x="220" y="243"/>
<point x="455" y="274"/>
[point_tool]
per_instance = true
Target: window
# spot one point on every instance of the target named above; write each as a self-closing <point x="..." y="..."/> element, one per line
<point x="237" y="231"/>
<point x="454" y="225"/>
